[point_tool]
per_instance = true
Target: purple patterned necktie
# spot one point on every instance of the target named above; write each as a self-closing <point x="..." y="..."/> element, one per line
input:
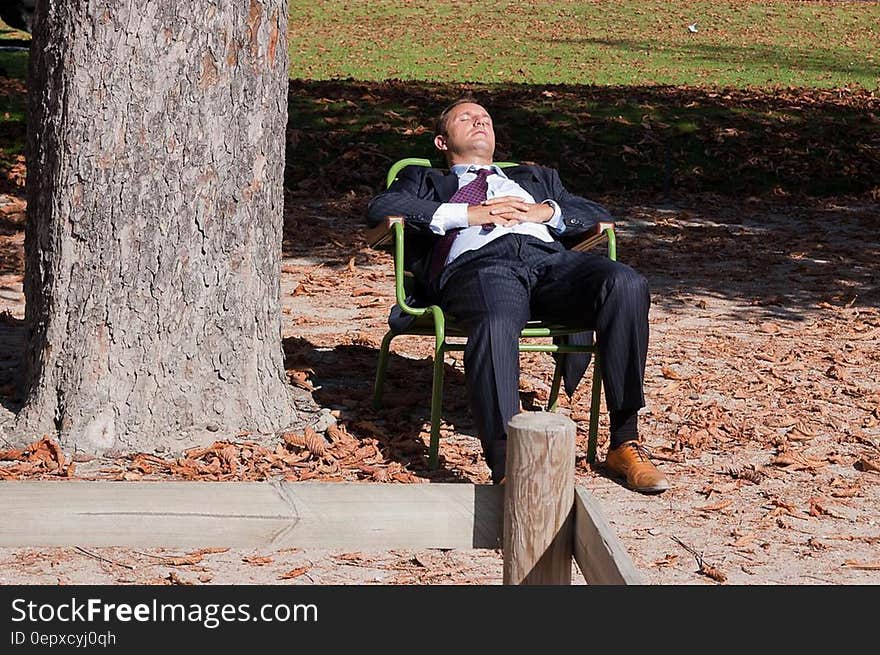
<point x="473" y="193"/>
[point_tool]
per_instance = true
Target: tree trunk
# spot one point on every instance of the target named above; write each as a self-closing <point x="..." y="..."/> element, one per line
<point x="153" y="241"/>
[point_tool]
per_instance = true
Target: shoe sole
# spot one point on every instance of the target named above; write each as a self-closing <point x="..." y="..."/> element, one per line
<point x="644" y="490"/>
<point x="650" y="490"/>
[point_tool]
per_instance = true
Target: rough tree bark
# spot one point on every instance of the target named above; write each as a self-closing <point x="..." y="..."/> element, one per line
<point x="155" y="166"/>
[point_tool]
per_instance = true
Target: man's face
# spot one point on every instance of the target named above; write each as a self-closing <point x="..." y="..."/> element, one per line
<point x="469" y="136"/>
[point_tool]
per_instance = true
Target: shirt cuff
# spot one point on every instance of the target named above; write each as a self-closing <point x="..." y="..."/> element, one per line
<point x="555" y="221"/>
<point x="449" y="215"/>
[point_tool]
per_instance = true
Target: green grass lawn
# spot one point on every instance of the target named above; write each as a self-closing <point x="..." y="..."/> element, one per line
<point x="738" y="43"/>
<point x="634" y="42"/>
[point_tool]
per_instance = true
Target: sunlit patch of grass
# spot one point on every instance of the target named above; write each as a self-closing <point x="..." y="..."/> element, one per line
<point x="635" y="42"/>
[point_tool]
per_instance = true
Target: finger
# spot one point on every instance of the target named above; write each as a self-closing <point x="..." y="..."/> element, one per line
<point x="497" y="200"/>
<point x="519" y="206"/>
<point x="510" y="207"/>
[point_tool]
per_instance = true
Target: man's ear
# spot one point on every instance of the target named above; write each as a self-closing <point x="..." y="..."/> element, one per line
<point x="440" y="142"/>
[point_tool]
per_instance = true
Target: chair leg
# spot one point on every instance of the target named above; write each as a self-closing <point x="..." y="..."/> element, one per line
<point x="437" y="390"/>
<point x="594" y="410"/>
<point x="380" y="370"/>
<point x="557" y="381"/>
<point x="436" y="407"/>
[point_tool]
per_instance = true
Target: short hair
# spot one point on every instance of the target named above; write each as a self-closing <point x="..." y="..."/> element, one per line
<point x="443" y="118"/>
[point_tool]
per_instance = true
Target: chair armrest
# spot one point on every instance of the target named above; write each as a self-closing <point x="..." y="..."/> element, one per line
<point x="388" y="234"/>
<point x="603" y="231"/>
<point x="383" y="234"/>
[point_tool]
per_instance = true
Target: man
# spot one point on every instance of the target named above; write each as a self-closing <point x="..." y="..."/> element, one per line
<point x="484" y="243"/>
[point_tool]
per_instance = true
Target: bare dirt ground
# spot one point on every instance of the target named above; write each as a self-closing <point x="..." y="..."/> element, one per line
<point x="762" y="389"/>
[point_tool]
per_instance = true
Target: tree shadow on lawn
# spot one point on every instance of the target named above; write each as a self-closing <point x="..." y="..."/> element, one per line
<point x="343" y="134"/>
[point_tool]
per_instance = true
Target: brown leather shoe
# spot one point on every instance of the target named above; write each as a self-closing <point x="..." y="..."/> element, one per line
<point x="630" y="460"/>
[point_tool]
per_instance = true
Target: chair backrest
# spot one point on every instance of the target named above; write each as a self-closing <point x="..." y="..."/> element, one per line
<point x="397" y="166"/>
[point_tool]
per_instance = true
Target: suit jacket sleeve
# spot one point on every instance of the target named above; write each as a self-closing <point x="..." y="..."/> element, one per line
<point x="578" y="213"/>
<point x="409" y="196"/>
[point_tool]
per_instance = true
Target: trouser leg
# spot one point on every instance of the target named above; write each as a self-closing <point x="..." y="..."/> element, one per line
<point x="613" y="299"/>
<point x="492" y="303"/>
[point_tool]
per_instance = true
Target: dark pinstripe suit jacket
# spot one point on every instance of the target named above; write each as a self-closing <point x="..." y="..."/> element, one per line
<point x="419" y="191"/>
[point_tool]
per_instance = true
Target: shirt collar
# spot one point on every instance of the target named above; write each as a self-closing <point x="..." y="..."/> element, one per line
<point x="461" y="169"/>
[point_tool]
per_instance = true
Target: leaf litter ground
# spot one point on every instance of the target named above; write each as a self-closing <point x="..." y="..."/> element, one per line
<point x="763" y="405"/>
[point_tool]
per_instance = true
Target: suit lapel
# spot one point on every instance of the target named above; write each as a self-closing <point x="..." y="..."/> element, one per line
<point x="525" y="176"/>
<point x="445" y="184"/>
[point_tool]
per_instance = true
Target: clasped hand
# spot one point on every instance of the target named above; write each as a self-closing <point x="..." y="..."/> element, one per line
<point x="507" y="211"/>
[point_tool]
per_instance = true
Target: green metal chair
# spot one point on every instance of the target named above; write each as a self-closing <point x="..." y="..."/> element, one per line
<point x="431" y="321"/>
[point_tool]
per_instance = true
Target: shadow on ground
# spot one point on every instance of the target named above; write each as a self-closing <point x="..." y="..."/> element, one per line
<point x="12" y="345"/>
<point x="343" y="380"/>
<point x="634" y="139"/>
<point x="775" y="261"/>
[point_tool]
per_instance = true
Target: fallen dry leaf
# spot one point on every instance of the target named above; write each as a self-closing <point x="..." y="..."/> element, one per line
<point x="300" y="379"/>
<point x="294" y="573"/>
<point x="713" y="572"/>
<point x="715" y="506"/>
<point x="865" y="464"/>
<point x="670" y="374"/>
<point x="310" y="440"/>
<point x="185" y="560"/>
<point x="175" y="579"/>
<point x="669" y="389"/>
<point x="863" y="566"/>
<point x="818" y="508"/>
<point x="257" y="560"/>
<point x="782" y="422"/>
<point x="11" y="455"/>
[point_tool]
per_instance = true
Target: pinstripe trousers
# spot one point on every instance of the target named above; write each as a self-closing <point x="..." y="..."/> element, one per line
<point x="495" y="290"/>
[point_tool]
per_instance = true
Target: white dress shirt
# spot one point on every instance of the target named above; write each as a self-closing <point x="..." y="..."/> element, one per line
<point x="451" y="215"/>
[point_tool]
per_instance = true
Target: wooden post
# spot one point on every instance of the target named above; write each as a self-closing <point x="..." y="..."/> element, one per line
<point x="538" y="499"/>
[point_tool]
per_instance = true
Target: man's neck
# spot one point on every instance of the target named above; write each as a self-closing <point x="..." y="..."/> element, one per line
<point x="469" y="162"/>
<point x="477" y="157"/>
